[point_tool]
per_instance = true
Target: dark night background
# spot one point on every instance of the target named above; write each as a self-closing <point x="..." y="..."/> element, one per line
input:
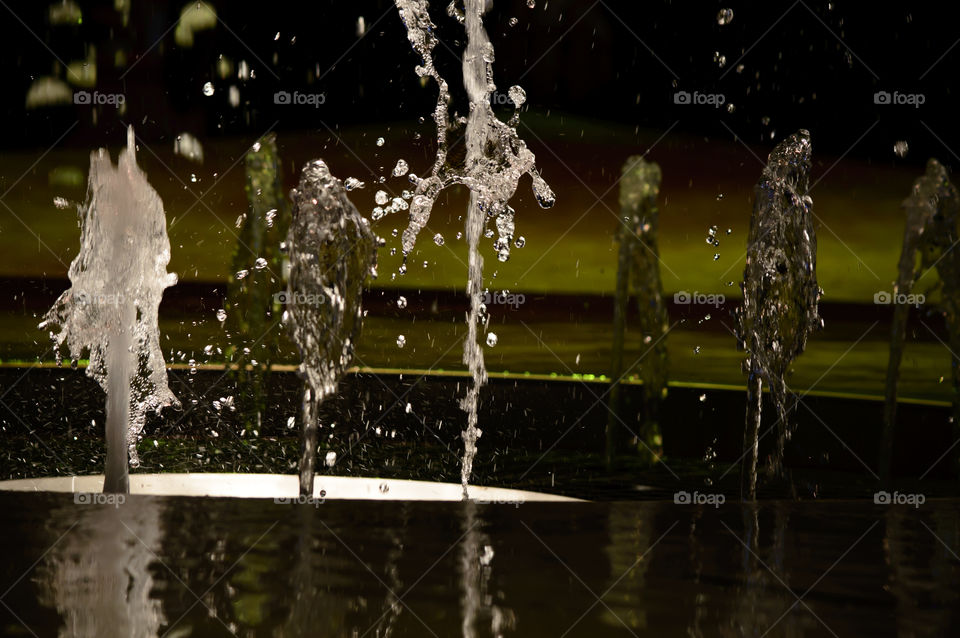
<point x="805" y="64"/>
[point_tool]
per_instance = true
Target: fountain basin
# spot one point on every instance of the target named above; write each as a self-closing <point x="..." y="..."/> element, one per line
<point x="283" y="486"/>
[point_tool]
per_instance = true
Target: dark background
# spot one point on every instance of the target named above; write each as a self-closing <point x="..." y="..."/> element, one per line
<point x="806" y="64"/>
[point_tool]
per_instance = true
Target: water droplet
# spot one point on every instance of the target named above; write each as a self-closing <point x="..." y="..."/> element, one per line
<point x="725" y="16"/>
<point x="352" y="183"/>
<point x="381" y="198"/>
<point x="221" y="315"/>
<point x="696" y="350"/>
<point x="380" y="141"/>
<point x="401" y="168"/>
<point x="438" y="239"/>
<point x="703" y="397"/>
<point x="291" y="422"/>
<point x="716" y="256"/>
<point x="241" y="274"/>
<point x="208" y="89"/>
<point x="513" y="22"/>
<point x="492" y="339"/>
<point x="517" y="95"/>
<point x="330" y="459"/>
<point x="384" y="488"/>
<point x="520" y="242"/>
<point x="208" y="350"/>
<point x="401" y="341"/>
<point x="901" y="148"/>
<point x="531" y="4"/>
<point x="401" y="303"/>
<point x="260" y="264"/>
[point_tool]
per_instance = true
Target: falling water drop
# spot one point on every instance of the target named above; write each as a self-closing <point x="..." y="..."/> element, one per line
<point x="725" y="16"/>
<point x="401" y="304"/>
<point x="208" y="89"/>
<point x="401" y="341"/>
<point x="492" y="339"/>
<point x="438" y="239"/>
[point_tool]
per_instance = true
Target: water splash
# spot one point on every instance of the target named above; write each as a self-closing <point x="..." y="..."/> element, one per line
<point x="780" y="292"/>
<point x="331" y="250"/>
<point x="638" y="273"/>
<point x="931" y="231"/>
<point x="110" y="309"/>
<point x="496" y="159"/>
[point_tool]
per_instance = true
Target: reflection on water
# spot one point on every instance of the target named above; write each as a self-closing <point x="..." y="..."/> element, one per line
<point x="98" y="576"/>
<point x="219" y="567"/>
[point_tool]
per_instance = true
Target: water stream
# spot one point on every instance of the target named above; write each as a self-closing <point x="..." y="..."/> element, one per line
<point x="780" y="293"/>
<point x="110" y="309"/>
<point x="332" y="251"/>
<point x="496" y="159"/>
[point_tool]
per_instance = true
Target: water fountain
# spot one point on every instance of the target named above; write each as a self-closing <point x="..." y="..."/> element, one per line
<point x="780" y="293"/>
<point x="638" y="273"/>
<point x="930" y="232"/>
<point x="256" y="278"/>
<point x="110" y="310"/>
<point x="332" y="251"/>
<point x="496" y="159"/>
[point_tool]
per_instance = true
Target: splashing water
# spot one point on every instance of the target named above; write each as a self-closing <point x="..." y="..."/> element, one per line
<point x="110" y="309"/>
<point x="496" y="159"/>
<point x="931" y="224"/>
<point x="331" y="250"/>
<point x="780" y="292"/>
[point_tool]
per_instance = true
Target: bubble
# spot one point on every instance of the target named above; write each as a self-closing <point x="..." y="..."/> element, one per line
<point x="401" y="341"/>
<point x="725" y="16"/>
<point x="492" y="339"/>
<point x="208" y="89"/>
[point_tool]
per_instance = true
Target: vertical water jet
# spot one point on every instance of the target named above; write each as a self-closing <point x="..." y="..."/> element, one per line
<point x="638" y="274"/>
<point x="780" y="293"/>
<point x="496" y="159"/>
<point x="117" y="280"/>
<point x="332" y="251"/>
<point x="930" y="234"/>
